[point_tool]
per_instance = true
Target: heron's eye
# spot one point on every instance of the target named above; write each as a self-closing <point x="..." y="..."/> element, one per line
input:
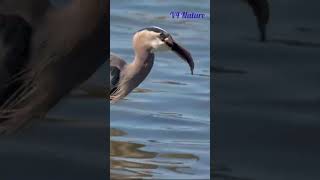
<point x="162" y="36"/>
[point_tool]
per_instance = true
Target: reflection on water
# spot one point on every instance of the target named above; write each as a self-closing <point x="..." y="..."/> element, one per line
<point x="122" y="168"/>
<point x="141" y="90"/>
<point x="171" y="82"/>
<point x="161" y="130"/>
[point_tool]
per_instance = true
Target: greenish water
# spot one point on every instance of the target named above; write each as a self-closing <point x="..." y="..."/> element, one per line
<point x="162" y="130"/>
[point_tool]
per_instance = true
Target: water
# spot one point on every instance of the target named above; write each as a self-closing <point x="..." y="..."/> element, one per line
<point x="162" y="129"/>
<point x="69" y="142"/>
<point x="267" y="118"/>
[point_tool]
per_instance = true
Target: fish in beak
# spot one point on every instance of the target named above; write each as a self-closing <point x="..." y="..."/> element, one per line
<point x="180" y="51"/>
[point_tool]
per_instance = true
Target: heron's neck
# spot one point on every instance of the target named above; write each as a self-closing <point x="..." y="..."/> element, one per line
<point x="141" y="65"/>
<point x="143" y="60"/>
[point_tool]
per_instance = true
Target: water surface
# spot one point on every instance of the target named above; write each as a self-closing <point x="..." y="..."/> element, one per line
<point x="161" y="130"/>
<point x="267" y="118"/>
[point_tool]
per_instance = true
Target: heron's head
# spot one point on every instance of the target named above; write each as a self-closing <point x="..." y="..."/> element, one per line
<point x="156" y="39"/>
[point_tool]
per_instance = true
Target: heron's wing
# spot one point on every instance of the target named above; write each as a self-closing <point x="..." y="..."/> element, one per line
<point x="67" y="36"/>
<point x="15" y="36"/>
<point x="114" y="77"/>
<point x="117" y="61"/>
<point x="117" y="64"/>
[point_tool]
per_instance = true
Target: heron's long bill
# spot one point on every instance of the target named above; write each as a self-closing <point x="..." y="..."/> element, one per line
<point x="182" y="52"/>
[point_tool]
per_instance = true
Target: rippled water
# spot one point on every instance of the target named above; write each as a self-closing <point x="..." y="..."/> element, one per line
<point x="161" y="130"/>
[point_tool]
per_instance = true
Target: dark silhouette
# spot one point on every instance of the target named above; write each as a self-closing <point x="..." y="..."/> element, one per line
<point x="15" y="42"/>
<point x="67" y="45"/>
<point x="262" y="12"/>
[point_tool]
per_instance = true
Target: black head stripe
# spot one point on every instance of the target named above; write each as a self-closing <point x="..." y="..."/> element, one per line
<point x="155" y="29"/>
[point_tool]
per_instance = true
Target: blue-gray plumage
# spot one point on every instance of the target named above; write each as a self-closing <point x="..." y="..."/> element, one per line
<point x="126" y="77"/>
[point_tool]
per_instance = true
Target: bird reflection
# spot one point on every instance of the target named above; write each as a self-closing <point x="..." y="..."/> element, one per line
<point x="129" y="160"/>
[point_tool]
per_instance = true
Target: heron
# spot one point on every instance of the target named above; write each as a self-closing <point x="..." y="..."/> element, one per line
<point x="146" y="42"/>
<point x="262" y="12"/>
<point x="48" y="48"/>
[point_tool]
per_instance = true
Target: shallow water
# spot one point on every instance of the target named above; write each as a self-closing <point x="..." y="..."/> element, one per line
<point x="161" y="130"/>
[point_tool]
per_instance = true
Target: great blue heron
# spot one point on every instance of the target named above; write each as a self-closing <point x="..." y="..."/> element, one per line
<point x="61" y="45"/>
<point x="125" y="77"/>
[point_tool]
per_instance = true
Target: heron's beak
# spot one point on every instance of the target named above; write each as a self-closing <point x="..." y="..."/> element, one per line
<point x="182" y="52"/>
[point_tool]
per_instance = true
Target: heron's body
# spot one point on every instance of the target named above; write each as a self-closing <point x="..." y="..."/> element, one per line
<point x="120" y="70"/>
<point x="126" y="77"/>
<point x="67" y="46"/>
